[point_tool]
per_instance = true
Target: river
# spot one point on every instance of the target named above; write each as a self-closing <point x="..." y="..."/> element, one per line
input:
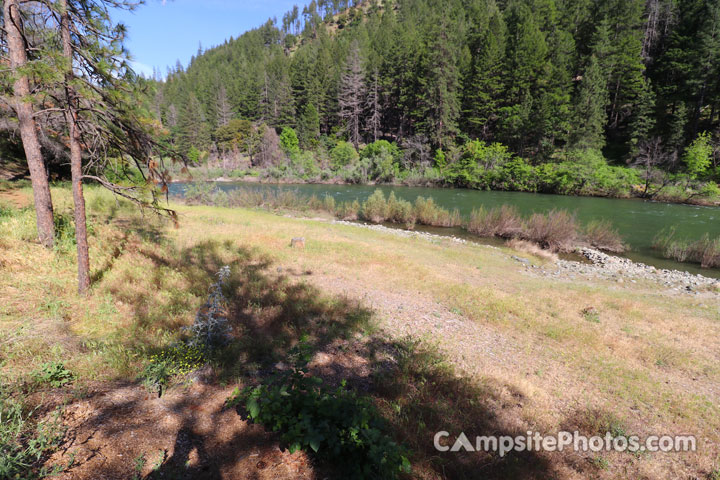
<point x="637" y="221"/>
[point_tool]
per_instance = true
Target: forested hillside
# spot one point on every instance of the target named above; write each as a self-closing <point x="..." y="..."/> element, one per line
<point x="552" y="80"/>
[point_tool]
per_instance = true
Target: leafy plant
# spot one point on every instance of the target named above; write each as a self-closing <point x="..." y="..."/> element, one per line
<point x="180" y="359"/>
<point x="337" y="425"/>
<point x="55" y="374"/>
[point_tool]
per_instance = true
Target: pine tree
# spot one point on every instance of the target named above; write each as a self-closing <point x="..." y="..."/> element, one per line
<point x="643" y="118"/>
<point x="440" y="89"/>
<point x="194" y="130"/>
<point x="17" y="59"/>
<point x="590" y="114"/>
<point x="309" y="126"/>
<point x="484" y="88"/>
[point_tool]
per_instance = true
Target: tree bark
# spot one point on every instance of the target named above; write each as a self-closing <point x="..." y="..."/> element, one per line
<point x="28" y="130"/>
<point x="83" y="252"/>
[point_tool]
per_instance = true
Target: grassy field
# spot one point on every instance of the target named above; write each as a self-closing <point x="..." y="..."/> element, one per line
<point x="441" y="335"/>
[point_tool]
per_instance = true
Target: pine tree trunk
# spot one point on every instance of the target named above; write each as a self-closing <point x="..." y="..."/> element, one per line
<point x="83" y="253"/>
<point x="28" y="130"/>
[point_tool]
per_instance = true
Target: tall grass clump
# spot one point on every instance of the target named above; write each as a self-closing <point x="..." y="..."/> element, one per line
<point x="375" y="208"/>
<point x="600" y="234"/>
<point x="705" y="251"/>
<point x="428" y="213"/>
<point x="400" y="211"/>
<point x="18" y="224"/>
<point x="24" y="441"/>
<point x="348" y="211"/>
<point x="557" y="230"/>
<point x="502" y="222"/>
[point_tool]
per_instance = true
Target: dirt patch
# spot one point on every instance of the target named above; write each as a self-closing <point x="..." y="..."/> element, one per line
<point x="14" y="198"/>
<point x="127" y="432"/>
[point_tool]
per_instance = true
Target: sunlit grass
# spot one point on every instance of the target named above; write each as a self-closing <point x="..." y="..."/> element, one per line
<point x="635" y="362"/>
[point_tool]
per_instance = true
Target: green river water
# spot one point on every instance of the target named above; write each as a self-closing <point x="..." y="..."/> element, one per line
<point x="637" y="221"/>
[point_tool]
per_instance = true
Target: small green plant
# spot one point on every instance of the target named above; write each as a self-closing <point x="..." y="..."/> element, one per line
<point x="25" y="442"/>
<point x="337" y="425"/>
<point x="156" y="376"/>
<point x="140" y="462"/>
<point x="601" y="463"/>
<point x="178" y="360"/>
<point x="591" y="314"/>
<point x="54" y="374"/>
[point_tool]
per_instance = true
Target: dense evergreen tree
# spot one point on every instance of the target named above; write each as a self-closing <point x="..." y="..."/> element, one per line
<point x="537" y="75"/>
<point x="590" y="115"/>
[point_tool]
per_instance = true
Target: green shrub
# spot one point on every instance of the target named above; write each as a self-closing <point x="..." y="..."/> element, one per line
<point x="336" y="425"/>
<point x="698" y="156"/>
<point x="515" y="175"/>
<point x="381" y="147"/>
<point x="710" y="190"/>
<point x="6" y="211"/>
<point x="477" y="165"/>
<point x="305" y="166"/>
<point x="178" y="360"/>
<point x="193" y="156"/>
<point x="289" y="142"/>
<point x="384" y="159"/>
<point x="343" y="154"/>
<point x="375" y="208"/>
<point x="54" y="374"/>
<point x="586" y="172"/>
<point x="400" y="211"/>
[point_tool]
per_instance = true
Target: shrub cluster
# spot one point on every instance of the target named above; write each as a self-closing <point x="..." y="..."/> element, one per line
<point x="556" y="230"/>
<point x="705" y="251"/>
<point x="336" y="425"/>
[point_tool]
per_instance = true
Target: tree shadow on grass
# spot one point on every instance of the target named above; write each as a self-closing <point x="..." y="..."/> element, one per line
<point x="270" y="312"/>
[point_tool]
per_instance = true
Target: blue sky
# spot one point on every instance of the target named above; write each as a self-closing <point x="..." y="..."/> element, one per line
<point x="164" y="31"/>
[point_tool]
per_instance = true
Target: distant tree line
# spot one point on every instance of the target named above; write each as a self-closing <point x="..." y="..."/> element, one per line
<point x="535" y="75"/>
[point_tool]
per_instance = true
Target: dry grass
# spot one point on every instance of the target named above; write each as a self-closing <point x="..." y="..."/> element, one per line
<point x="532" y="249"/>
<point x="705" y="251"/>
<point x="504" y="222"/>
<point x="602" y="235"/>
<point x="556" y="231"/>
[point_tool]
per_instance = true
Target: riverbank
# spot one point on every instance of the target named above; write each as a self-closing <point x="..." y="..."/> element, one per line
<point x="665" y="236"/>
<point x="671" y="197"/>
<point x="599" y="265"/>
<point x="514" y="350"/>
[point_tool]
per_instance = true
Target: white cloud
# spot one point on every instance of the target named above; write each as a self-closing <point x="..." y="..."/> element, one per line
<point x="146" y="70"/>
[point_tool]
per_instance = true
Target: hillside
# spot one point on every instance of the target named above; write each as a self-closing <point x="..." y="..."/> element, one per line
<point x="540" y="76"/>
